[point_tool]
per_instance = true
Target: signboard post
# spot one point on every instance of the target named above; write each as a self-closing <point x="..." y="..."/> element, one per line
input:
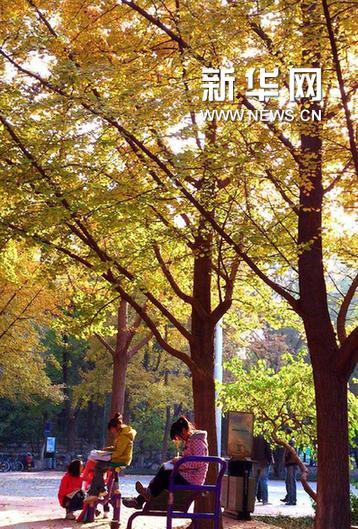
<point x="51" y="450"/>
<point x="240" y="435"/>
<point x="239" y="487"/>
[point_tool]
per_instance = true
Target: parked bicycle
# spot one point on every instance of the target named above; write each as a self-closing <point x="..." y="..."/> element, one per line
<point x="11" y="463"/>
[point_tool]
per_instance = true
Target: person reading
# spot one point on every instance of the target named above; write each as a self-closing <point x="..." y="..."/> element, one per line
<point x="120" y="452"/>
<point x="191" y="472"/>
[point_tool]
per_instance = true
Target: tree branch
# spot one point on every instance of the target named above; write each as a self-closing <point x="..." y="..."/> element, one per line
<point x="348" y="355"/>
<point x="23" y="311"/>
<point x="157" y="22"/>
<point x="224" y="305"/>
<point x="105" y="344"/>
<point x="150" y="323"/>
<point x="170" y="278"/>
<point x="342" y="314"/>
<point x="135" y="144"/>
<point x="344" y="98"/>
<point x="137" y="347"/>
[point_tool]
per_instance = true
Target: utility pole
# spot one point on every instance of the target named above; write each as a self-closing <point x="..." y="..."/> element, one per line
<point x="218" y="376"/>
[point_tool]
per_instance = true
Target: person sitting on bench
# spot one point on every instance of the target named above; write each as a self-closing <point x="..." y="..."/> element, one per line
<point x="121" y="452"/>
<point x="192" y="472"/>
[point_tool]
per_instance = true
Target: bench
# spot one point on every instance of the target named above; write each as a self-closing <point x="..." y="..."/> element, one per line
<point x="175" y="502"/>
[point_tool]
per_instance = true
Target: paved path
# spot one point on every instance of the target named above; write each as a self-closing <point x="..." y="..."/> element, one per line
<point x="29" y="501"/>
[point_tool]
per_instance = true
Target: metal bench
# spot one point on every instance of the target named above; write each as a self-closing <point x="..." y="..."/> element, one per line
<point x="175" y="503"/>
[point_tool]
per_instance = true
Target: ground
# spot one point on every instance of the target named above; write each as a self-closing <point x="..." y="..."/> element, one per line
<point x="29" y="501"/>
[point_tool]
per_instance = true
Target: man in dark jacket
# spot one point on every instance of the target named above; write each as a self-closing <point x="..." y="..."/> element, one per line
<point x="262" y="455"/>
<point x="291" y="475"/>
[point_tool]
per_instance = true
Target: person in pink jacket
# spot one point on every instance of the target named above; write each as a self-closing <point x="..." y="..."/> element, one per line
<point x="192" y="472"/>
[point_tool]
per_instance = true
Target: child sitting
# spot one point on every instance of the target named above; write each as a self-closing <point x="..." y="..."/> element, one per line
<point x="121" y="453"/>
<point x="70" y="493"/>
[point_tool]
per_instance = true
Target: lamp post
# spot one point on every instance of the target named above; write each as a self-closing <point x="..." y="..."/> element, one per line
<point x="218" y="376"/>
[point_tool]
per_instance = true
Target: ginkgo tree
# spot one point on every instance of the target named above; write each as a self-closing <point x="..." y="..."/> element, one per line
<point x="29" y="303"/>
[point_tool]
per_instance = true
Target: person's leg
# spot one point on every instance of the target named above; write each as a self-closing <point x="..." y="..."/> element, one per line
<point x="264" y="483"/>
<point x="76" y="502"/>
<point x="292" y="486"/>
<point x="287" y="482"/>
<point x="97" y="484"/>
<point x="69" y="511"/>
<point x="160" y="482"/>
<point x="106" y="510"/>
<point x="258" y="491"/>
<point x="256" y="474"/>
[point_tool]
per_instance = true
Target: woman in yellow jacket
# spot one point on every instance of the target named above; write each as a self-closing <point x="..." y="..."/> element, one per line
<point x="121" y="453"/>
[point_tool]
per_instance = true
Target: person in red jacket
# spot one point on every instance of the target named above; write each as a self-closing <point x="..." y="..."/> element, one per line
<point x="70" y="494"/>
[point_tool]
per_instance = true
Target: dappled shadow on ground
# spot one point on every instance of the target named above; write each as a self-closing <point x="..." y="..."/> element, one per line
<point x="57" y="523"/>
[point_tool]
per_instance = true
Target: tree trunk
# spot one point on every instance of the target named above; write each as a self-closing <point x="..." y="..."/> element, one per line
<point x="120" y="365"/>
<point x="333" y="508"/>
<point x="90" y="423"/>
<point x="333" y="511"/>
<point x="69" y="426"/>
<point x="71" y="432"/>
<point x="202" y="352"/>
<point x="120" y="361"/>
<point x="168" y="418"/>
<point x="204" y="411"/>
<point x="303" y="469"/>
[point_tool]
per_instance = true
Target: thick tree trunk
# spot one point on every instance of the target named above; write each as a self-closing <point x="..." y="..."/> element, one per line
<point x="204" y="406"/>
<point x="204" y="411"/>
<point x="333" y="510"/>
<point x="120" y="365"/>
<point x="202" y="352"/>
<point x="120" y="361"/>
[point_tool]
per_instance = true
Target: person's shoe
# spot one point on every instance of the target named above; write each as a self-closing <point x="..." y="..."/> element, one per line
<point x="90" y="499"/>
<point x="143" y="491"/>
<point x="102" y="496"/>
<point x="284" y="500"/>
<point x="70" y="516"/>
<point x="131" y="503"/>
<point x="291" y="503"/>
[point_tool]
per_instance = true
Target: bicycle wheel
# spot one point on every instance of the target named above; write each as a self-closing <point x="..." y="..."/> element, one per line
<point x="4" y="466"/>
<point x="19" y="466"/>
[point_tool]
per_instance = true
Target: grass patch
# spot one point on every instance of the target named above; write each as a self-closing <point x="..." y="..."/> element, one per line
<point x="286" y="522"/>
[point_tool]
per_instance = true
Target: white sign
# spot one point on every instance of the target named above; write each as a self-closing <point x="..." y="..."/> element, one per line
<point x="50" y="445"/>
